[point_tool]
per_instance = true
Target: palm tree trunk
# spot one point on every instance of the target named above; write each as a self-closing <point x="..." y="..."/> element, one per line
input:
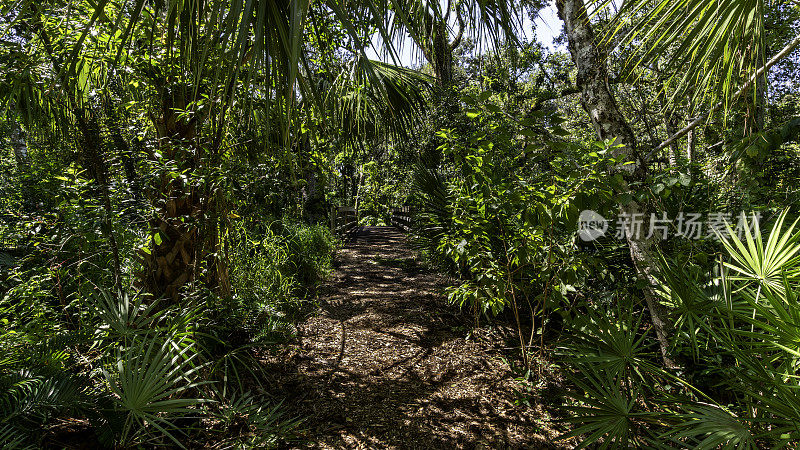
<point x="176" y="243"/>
<point x="438" y="49"/>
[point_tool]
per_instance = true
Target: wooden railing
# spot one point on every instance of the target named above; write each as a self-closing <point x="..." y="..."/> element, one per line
<point x="344" y="221"/>
<point x="403" y="218"/>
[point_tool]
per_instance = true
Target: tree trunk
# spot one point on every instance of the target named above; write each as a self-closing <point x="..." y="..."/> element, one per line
<point x="357" y="202"/>
<point x="20" y="147"/>
<point x="112" y="124"/>
<point x="691" y="138"/>
<point x="442" y="55"/>
<point x="674" y="151"/>
<point x="438" y="49"/>
<point x="91" y="151"/>
<point x="93" y="161"/>
<point x="609" y="123"/>
<point x="760" y="106"/>
<point x="176" y="243"/>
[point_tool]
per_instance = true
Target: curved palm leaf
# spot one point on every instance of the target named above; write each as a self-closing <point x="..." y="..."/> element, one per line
<point x="712" y="427"/>
<point x="609" y="341"/>
<point x="124" y="315"/>
<point x="360" y="105"/>
<point x="606" y="410"/>
<point x="764" y="263"/>
<point x="14" y="439"/>
<point x="268" y="40"/>
<point x="148" y="380"/>
<point x="715" y="45"/>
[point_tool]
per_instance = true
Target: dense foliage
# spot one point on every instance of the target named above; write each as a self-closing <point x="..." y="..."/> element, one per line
<point x="170" y="173"/>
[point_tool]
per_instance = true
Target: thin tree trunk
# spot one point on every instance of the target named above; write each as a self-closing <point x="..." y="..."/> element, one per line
<point x="674" y="151"/>
<point x="20" y="147"/>
<point x="358" y="191"/>
<point x="609" y="123"/>
<point x="92" y="156"/>
<point x="691" y="138"/>
<point x="93" y="160"/>
<point x="112" y="123"/>
<point x="760" y="105"/>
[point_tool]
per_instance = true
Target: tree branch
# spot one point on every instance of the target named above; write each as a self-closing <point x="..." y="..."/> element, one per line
<point x="702" y="117"/>
<point x="457" y="40"/>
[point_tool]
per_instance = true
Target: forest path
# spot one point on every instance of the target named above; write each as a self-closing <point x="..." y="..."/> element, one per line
<point x="385" y="363"/>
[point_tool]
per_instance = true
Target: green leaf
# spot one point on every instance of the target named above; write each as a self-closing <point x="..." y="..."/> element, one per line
<point x="558" y="131"/>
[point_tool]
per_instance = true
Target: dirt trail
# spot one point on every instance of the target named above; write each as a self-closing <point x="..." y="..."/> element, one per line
<point x="386" y="364"/>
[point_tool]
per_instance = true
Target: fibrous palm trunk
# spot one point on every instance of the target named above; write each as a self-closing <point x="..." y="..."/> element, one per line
<point x="184" y="228"/>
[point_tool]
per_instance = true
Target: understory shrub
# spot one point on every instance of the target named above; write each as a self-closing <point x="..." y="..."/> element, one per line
<point x="281" y="263"/>
<point x="131" y="371"/>
<point x="503" y="221"/>
<point x="273" y="274"/>
<point x="135" y="372"/>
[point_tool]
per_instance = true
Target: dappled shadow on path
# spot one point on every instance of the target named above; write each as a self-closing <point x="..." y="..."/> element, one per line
<point x="385" y="364"/>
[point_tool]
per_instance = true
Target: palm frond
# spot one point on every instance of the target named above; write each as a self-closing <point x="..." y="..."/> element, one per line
<point x="688" y="302"/>
<point x="371" y="95"/>
<point x="149" y="379"/>
<point x="610" y="341"/>
<point x="12" y="438"/>
<point x="714" y="46"/>
<point x="269" y="44"/>
<point x="708" y="427"/>
<point x="122" y="314"/>
<point x="764" y="263"/>
<point x="606" y="410"/>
